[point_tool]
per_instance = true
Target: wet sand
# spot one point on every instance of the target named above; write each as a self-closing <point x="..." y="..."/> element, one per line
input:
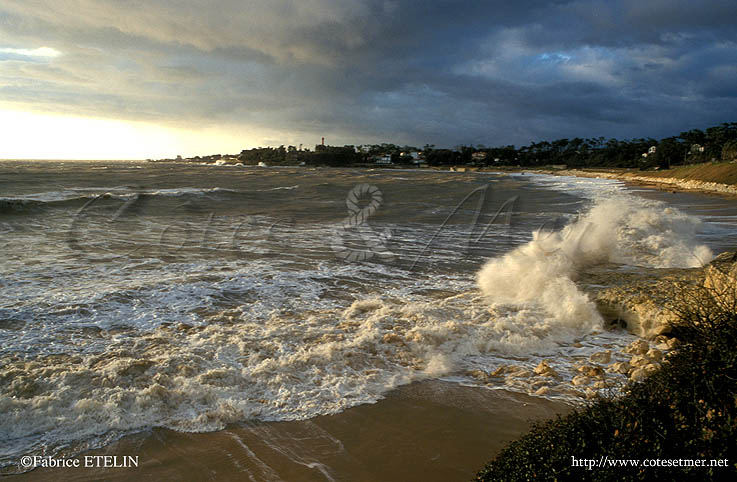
<point x="430" y="431"/>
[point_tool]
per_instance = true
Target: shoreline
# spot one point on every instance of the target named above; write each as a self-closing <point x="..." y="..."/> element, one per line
<point x="431" y="431"/>
<point x="639" y="178"/>
<point x="653" y="179"/>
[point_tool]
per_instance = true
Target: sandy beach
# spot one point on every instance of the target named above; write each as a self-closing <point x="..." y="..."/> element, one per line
<point x="429" y="431"/>
<point x="657" y="180"/>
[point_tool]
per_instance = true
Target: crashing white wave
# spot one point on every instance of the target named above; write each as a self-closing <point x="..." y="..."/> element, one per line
<point x="622" y="229"/>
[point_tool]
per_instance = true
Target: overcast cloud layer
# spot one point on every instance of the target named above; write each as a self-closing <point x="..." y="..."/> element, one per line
<point x="360" y="71"/>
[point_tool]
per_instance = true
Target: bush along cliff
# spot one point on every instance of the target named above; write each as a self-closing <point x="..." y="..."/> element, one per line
<point x="679" y="423"/>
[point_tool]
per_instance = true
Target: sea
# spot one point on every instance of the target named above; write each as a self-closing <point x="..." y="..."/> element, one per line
<point x="136" y="295"/>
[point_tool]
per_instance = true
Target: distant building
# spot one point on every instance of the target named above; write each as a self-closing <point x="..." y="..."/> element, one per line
<point x="417" y="159"/>
<point x="479" y="156"/>
<point x="695" y="148"/>
<point x="385" y="159"/>
<point x="650" y="151"/>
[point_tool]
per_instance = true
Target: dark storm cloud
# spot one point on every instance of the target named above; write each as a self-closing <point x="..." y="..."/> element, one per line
<point x="362" y="71"/>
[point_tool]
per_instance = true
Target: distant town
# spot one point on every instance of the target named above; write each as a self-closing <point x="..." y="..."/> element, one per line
<point x="718" y="143"/>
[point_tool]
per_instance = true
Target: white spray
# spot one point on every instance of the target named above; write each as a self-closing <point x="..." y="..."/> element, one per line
<point x="621" y="229"/>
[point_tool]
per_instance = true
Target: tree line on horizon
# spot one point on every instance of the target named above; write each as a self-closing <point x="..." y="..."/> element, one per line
<point x="717" y="143"/>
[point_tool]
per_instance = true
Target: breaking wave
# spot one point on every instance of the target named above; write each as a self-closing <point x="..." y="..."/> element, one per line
<point x="620" y="229"/>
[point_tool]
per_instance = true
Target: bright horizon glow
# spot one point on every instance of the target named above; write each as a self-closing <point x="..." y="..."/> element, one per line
<point x="27" y="135"/>
<point x="39" y="52"/>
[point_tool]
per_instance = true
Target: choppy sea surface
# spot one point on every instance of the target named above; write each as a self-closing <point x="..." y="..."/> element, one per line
<point x="137" y="295"/>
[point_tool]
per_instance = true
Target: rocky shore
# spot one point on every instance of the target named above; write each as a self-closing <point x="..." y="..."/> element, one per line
<point x="645" y="303"/>
<point x="681" y="398"/>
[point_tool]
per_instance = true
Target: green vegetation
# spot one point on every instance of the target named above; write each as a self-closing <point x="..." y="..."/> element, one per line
<point x="721" y="172"/>
<point x="685" y="410"/>
<point x="718" y="143"/>
<point x="694" y="146"/>
<point x="322" y="155"/>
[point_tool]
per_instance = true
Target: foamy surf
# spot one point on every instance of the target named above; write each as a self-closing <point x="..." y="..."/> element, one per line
<point x="536" y="282"/>
<point x="286" y="363"/>
<point x="247" y="319"/>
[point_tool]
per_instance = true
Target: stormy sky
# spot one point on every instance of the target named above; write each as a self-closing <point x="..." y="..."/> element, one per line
<point x="270" y="72"/>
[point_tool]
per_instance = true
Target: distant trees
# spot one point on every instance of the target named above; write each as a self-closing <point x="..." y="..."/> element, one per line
<point x="715" y="143"/>
<point x="729" y="151"/>
<point x="269" y="155"/>
<point x="717" y="137"/>
<point x="333" y="156"/>
<point x="670" y="152"/>
<point x="440" y="157"/>
<point x="690" y="146"/>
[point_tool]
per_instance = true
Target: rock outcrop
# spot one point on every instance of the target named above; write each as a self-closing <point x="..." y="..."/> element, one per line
<point x="643" y="301"/>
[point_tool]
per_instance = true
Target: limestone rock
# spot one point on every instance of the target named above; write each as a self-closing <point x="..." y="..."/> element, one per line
<point x="542" y="391"/>
<point x="662" y="329"/>
<point x="580" y="380"/>
<point x="602" y="357"/>
<point x="591" y="371"/>
<point x="654" y="354"/>
<point x="518" y="372"/>
<point x="499" y="372"/>
<point x="722" y="281"/>
<point x="478" y="374"/>
<point x="651" y="368"/>
<point x="640" y="361"/>
<point x="638" y="374"/>
<point x="637" y="347"/>
<point x="620" y="367"/>
<point x="661" y="342"/>
<point x="545" y="370"/>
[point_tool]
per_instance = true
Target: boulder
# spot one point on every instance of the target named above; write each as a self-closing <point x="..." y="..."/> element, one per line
<point x="602" y="357"/>
<point x="545" y="370"/>
<point x="591" y="371"/>
<point x="638" y="374"/>
<point x="640" y="361"/>
<point x="620" y="367"/>
<point x="518" y="372"/>
<point x="580" y="380"/>
<point x="637" y="347"/>
<point x="499" y="372"/>
<point x="654" y="354"/>
<point x="542" y="391"/>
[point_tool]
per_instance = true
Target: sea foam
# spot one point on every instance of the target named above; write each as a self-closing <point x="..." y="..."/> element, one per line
<point x="620" y="229"/>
